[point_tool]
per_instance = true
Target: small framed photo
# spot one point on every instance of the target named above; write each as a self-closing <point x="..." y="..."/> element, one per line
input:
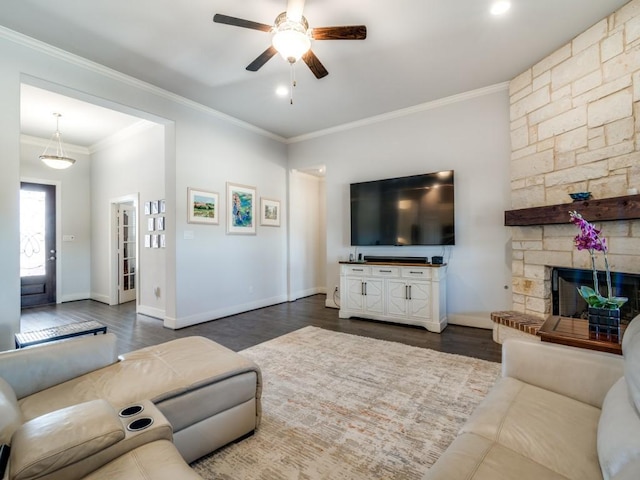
<point x="147" y="208"/>
<point x="203" y="207"/>
<point x="241" y="209"/>
<point x="147" y="241"/>
<point x="162" y="206"/>
<point x="163" y="241"/>
<point x="151" y="224"/>
<point x="159" y="223"/>
<point x="269" y="212"/>
<point x="155" y="241"/>
<point x="154" y="207"/>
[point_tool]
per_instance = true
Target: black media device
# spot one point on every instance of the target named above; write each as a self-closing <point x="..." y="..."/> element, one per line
<point x="415" y="210"/>
<point x="436" y="260"/>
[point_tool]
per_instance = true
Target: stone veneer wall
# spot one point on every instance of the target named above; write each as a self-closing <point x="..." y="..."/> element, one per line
<point x="575" y="126"/>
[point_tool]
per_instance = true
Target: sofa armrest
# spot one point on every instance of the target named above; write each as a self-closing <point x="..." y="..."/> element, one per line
<point x="583" y="375"/>
<point x="29" y="370"/>
<point x="64" y="437"/>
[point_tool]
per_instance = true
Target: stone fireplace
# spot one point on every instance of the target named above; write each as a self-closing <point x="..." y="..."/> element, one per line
<point x="575" y="127"/>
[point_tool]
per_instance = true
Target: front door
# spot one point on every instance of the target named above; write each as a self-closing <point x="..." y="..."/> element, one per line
<point x="37" y="244"/>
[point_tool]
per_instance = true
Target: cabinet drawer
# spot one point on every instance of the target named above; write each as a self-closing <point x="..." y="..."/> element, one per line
<point x="381" y="271"/>
<point x="355" y="270"/>
<point x="416" y="272"/>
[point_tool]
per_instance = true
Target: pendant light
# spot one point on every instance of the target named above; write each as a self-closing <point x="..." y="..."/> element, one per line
<point x="57" y="159"/>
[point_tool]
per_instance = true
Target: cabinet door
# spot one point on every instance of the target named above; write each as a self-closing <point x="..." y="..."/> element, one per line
<point x="397" y="298"/>
<point x="420" y="299"/>
<point x="374" y="298"/>
<point x="354" y="295"/>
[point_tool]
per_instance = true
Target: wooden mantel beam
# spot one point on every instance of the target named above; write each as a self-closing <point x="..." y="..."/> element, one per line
<point x="607" y="209"/>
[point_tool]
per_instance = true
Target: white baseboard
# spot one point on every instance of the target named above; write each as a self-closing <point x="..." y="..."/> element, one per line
<point x="474" y="319"/>
<point x="307" y="293"/>
<point x="100" y="298"/>
<point x="74" y="297"/>
<point x="176" y="323"/>
<point x="150" y="311"/>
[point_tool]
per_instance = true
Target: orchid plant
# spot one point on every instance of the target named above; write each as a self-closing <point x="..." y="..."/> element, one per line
<point x="590" y="239"/>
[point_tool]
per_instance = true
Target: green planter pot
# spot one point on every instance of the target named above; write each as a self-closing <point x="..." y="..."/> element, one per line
<point x="604" y="324"/>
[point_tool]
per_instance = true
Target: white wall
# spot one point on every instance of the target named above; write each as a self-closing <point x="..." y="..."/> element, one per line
<point x="219" y="274"/>
<point x="205" y="277"/>
<point x="307" y="258"/>
<point x="131" y="165"/>
<point x="469" y="136"/>
<point x="74" y="258"/>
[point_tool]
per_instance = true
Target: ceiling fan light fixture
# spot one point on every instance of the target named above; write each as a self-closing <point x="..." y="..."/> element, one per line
<point x="500" y="7"/>
<point x="59" y="159"/>
<point x="290" y="38"/>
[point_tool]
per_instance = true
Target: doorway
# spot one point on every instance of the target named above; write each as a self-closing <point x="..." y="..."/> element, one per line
<point x="125" y="248"/>
<point x="38" y="254"/>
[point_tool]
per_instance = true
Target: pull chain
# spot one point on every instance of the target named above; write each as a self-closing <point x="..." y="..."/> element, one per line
<point x="293" y="83"/>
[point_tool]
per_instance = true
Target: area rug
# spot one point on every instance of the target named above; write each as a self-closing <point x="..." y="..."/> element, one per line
<point x="340" y="406"/>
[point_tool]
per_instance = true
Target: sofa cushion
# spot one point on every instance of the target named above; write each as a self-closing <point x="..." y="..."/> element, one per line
<point x="631" y="352"/>
<point x="157" y="460"/>
<point x="472" y="457"/>
<point x="618" y="431"/>
<point x="51" y="442"/>
<point x="156" y="373"/>
<point x="548" y="428"/>
<point x="10" y="413"/>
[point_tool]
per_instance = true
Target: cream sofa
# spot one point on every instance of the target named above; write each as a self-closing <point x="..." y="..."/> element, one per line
<point x="557" y="413"/>
<point x="64" y="407"/>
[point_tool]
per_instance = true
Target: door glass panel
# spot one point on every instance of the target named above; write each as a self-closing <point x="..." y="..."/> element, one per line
<point x="32" y="233"/>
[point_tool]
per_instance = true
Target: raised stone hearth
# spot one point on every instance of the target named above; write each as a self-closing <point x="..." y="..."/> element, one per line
<point x="512" y="324"/>
<point x="575" y="124"/>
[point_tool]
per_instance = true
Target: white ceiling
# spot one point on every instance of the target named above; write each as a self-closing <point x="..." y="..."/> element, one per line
<point x="416" y="51"/>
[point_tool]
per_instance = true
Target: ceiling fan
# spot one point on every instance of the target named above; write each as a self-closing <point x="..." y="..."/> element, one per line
<point x="292" y="37"/>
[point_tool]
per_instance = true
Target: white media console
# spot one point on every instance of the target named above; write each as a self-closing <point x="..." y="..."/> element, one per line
<point x="413" y="294"/>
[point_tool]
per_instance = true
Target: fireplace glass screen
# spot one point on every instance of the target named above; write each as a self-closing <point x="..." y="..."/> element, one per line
<point x="567" y="302"/>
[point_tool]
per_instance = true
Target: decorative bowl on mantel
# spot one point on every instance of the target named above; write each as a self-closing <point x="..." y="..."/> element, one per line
<point x="580" y="196"/>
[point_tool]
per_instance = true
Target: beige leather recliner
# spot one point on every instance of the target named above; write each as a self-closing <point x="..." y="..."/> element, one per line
<point x="557" y="413"/>
<point x="64" y="407"/>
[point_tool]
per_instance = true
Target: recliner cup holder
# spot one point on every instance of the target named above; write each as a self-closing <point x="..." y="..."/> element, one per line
<point x="140" y="424"/>
<point x="131" y="410"/>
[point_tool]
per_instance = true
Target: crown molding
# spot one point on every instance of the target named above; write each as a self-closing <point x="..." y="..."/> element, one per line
<point x="461" y="97"/>
<point x="50" y="50"/>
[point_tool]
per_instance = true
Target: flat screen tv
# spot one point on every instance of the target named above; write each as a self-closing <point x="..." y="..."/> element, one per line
<point x="415" y="210"/>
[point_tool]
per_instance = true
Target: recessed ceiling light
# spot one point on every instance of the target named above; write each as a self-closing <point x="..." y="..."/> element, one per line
<point x="500" y="7"/>
<point x="282" y="91"/>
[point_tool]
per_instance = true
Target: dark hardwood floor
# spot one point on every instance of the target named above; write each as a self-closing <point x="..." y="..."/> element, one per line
<point x="247" y="329"/>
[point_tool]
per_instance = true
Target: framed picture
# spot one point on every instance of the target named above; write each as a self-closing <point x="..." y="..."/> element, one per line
<point x="151" y="224"/>
<point x="147" y="208"/>
<point x="147" y="241"/>
<point x="159" y="223"/>
<point x="163" y="241"/>
<point x="155" y="241"/>
<point x="204" y="207"/>
<point x="154" y="207"/>
<point x="269" y="212"/>
<point x="241" y="209"/>
<point x="163" y="206"/>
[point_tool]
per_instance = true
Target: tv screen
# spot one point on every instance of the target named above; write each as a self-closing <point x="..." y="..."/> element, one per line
<point x="415" y="210"/>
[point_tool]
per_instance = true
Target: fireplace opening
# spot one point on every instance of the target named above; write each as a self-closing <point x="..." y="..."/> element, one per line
<point x="567" y="302"/>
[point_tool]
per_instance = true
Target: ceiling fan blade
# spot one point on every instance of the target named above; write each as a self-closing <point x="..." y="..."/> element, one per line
<point x="294" y="9"/>
<point x="240" y="22"/>
<point x="314" y="64"/>
<point x="262" y="59"/>
<point x="348" y="32"/>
